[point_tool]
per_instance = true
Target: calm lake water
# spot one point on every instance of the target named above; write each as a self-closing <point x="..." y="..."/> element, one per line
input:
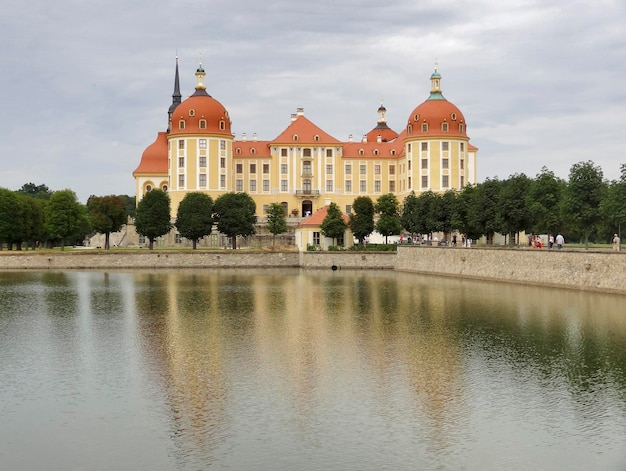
<point x="307" y="370"/>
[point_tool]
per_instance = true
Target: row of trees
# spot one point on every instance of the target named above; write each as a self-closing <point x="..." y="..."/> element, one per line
<point x="584" y="208"/>
<point x="35" y="215"/>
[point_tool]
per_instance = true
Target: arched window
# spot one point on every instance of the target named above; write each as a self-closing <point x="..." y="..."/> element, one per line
<point x="295" y="137"/>
<point x="222" y="125"/>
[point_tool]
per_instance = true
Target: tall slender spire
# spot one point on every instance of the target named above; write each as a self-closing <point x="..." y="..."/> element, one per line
<point x="176" y="97"/>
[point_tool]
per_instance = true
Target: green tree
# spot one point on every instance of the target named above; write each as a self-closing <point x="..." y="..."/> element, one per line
<point x="234" y="214"/>
<point x="613" y="207"/>
<point x="36" y="191"/>
<point x="466" y="214"/>
<point x="153" y="215"/>
<point x="544" y="202"/>
<point x="32" y="220"/>
<point x="388" y="222"/>
<point x="582" y="196"/>
<point x="131" y="204"/>
<point x="108" y="214"/>
<point x="333" y="225"/>
<point x="276" y="220"/>
<point x="65" y="217"/>
<point x="10" y="217"/>
<point x="512" y="212"/>
<point x="362" y="220"/>
<point x="194" y="218"/>
<point x="485" y="208"/>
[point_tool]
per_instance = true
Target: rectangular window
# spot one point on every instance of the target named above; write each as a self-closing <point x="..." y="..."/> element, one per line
<point x="329" y="185"/>
<point x="462" y="164"/>
<point x="392" y="185"/>
<point x="329" y="169"/>
<point x="409" y="165"/>
<point x="202" y="180"/>
<point x="444" y="127"/>
<point x="408" y="147"/>
<point x="222" y="162"/>
<point x="283" y="152"/>
<point x="348" y="169"/>
<point x="181" y="144"/>
<point x="202" y="143"/>
<point x="424" y="181"/>
<point x="377" y="186"/>
<point x="222" y="145"/>
<point x="392" y="170"/>
<point x="462" y="180"/>
<point x="252" y="168"/>
<point x="316" y="238"/>
<point x="444" y="163"/>
<point x="348" y="208"/>
<point x="445" y="145"/>
<point x="377" y="169"/>
<point x="424" y="127"/>
<point x="329" y="152"/>
<point x="409" y="182"/>
<point x="348" y="186"/>
<point x="266" y="168"/>
<point x="424" y="146"/>
<point x="239" y="168"/>
<point x="222" y="181"/>
<point x="462" y="146"/>
<point x="178" y="239"/>
<point x="181" y="162"/>
<point x="363" y="186"/>
<point x="202" y="161"/>
<point x="283" y="185"/>
<point x="306" y="152"/>
<point x="266" y="185"/>
<point x="283" y="168"/>
<point x="265" y="208"/>
<point x="238" y="185"/>
<point x="181" y="180"/>
<point x="444" y="181"/>
<point x="363" y="169"/>
<point x="424" y="163"/>
<point x="252" y="185"/>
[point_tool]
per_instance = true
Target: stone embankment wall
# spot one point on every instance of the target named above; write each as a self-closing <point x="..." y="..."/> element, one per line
<point x="598" y="271"/>
<point x="148" y="259"/>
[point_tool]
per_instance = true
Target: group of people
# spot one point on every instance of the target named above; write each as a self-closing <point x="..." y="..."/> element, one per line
<point x="535" y="241"/>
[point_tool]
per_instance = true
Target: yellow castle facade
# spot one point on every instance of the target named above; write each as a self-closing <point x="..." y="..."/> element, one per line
<point x="303" y="167"/>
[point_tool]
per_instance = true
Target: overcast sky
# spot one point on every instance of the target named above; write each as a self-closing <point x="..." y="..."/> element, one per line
<point x="86" y="85"/>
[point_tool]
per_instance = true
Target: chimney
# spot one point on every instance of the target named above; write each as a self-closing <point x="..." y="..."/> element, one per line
<point x="244" y="137"/>
<point x="364" y="138"/>
<point x="350" y="138"/>
<point x="293" y="117"/>
<point x="300" y="111"/>
<point x="254" y="137"/>
<point x="379" y="139"/>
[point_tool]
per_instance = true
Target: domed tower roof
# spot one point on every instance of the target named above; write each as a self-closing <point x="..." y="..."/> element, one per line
<point x="436" y="116"/>
<point x="200" y="113"/>
<point x="381" y="130"/>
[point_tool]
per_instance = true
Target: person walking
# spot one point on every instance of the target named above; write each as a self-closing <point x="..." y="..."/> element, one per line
<point x="560" y="241"/>
<point x="616" y="243"/>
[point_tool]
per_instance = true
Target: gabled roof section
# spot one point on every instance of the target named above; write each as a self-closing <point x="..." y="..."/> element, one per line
<point x="373" y="150"/>
<point x="316" y="219"/>
<point x="253" y="149"/>
<point x="302" y="131"/>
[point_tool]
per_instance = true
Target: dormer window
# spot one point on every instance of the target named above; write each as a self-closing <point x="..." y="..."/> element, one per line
<point x="444" y="127"/>
<point x="192" y="112"/>
<point x="238" y="151"/>
<point x="361" y="152"/>
<point x="461" y="127"/>
<point x="295" y="137"/>
<point x="316" y="138"/>
<point x="375" y="151"/>
<point x="203" y="124"/>
<point x="393" y="152"/>
<point x="253" y="151"/>
<point x="409" y="129"/>
<point x="453" y="116"/>
<point x="424" y="127"/>
<point x="416" y="117"/>
<point x="181" y="124"/>
<point x="222" y="125"/>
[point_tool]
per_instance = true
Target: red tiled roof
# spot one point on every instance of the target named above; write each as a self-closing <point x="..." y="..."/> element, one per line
<point x="316" y="219"/>
<point x="251" y="149"/>
<point x="306" y="132"/>
<point x="154" y="158"/>
<point x="373" y="150"/>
